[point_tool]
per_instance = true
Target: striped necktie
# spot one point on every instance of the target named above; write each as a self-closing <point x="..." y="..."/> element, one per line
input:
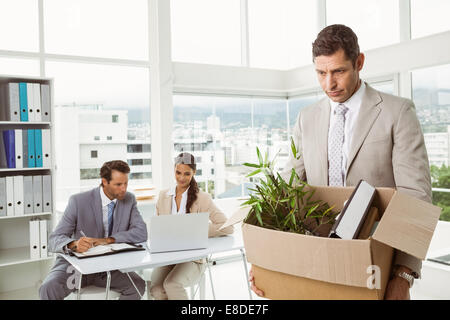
<point x="110" y="217"/>
<point x="335" y="177"/>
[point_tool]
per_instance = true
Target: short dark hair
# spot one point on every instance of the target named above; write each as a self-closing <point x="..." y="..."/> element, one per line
<point x="333" y="38"/>
<point x="108" y="167"/>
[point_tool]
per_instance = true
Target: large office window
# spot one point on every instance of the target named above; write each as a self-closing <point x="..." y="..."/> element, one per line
<point x="429" y="16"/>
<point x="281" y="33"/>
<point x="101" y="28"/>
<point x="206" y="31"/>
<point x="224" y="132"/>
<point x="103" y="107"/>
<point x="375" y="22"/>
<point x="19" y="25"/>
<point x="431" y="93"/>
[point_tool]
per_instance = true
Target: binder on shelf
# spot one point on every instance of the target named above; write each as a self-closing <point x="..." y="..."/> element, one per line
<point x="10" y="149"/>
<point x="2" y="197"/>
<point x="31" y="155"/>
<point x="34" y="239"/>
<point x="47" y="193"/>
<point x="43" y="239"/>
<point x="354" y="213"/>
<point x="28" y="194"/>
<point x="9" y="196"/>
<point x="25" y="148"/>
<point x="3" y="163"/>
<point x="18" y="196"/>
<point x="37" y="194"/>
<point x="38" y="147"/>
<point x="12" y="104"/>
<point x="45" y="102"/>
<point x="31" y="104"/>
<point x="46" y="148"/>
<point x="3" y="105"/>
<point x="18" y="148"/>
<point x="37" y="102"/>
<point x="23" y="101"/>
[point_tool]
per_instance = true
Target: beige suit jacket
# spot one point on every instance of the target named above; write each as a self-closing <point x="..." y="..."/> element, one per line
<point x="387" y="149"/>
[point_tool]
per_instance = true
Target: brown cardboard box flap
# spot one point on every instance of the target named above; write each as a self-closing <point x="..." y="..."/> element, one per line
<point x="408" y="224"/>
<point x="331" y="260"/>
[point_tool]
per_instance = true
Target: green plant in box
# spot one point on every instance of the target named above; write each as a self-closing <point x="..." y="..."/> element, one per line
<point x="285" y="205"/>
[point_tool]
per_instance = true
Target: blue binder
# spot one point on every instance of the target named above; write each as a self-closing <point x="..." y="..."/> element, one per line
<point x="38" y="147"/>
<point x="23" y="101"/>
<point x="31" y="155"/>
<point x="10" y="148"/>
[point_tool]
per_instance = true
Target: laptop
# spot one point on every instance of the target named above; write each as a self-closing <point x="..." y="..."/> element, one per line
<point x="444" y="259"/>
<point x="179" y="232"/>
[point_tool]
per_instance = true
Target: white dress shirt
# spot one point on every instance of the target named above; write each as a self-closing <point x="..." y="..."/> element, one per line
<point x="172" y="192"/>
<point x="353" y="104"/>
<point x="105" y="202"/>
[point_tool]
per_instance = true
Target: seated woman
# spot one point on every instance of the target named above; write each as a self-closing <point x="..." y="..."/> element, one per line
<point x="169" y="282"/>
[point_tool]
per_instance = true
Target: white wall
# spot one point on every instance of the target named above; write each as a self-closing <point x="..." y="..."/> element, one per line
<point x="398" y="58"/>
<point x="105" y="152"/>
<point x="99" y="123"/>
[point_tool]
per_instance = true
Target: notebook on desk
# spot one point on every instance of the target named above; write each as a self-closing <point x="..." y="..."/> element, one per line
<point x="107" y="249"/>
<point x="179" y="232"/>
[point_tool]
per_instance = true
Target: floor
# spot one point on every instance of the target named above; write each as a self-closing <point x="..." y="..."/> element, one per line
<point x="229" y="283"/>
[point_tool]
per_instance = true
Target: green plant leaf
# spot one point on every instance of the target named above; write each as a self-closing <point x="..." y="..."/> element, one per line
<point x="311" y="210"/>
<point x="258" y="214"/>
<point x="254" y="173"/>
<point x="259" y="156"/>
<point x="293" y="148"/>
<point x="253" y="165"/>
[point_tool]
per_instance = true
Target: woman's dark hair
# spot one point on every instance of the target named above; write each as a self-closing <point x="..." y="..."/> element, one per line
<point x="188" y="159"/>
<point x="108" y="167"/>
<point x="333" y="38"/>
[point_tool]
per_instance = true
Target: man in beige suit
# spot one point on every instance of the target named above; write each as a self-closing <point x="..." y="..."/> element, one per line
<point x="359" y="133"/>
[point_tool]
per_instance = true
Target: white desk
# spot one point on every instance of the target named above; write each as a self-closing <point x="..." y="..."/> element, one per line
<point x="138" y="260"/>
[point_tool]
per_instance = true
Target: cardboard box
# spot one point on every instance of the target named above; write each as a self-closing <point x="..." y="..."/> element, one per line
<point x="294" y="266"/>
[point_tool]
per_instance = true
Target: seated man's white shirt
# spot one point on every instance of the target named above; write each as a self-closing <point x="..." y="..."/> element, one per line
<point x="105" y="202"/>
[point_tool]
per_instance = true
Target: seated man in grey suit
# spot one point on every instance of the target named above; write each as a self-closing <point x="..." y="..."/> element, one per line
<point x="106" y="214"/>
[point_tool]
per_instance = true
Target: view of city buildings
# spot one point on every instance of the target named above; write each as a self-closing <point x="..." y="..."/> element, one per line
<point x="433" y="111"/>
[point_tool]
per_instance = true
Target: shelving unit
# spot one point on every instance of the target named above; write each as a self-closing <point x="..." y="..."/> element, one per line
<point x="24" y="169"/>
<point x="18" y="272"/>
<point x="27" y="216"/>
<point x="13" y="256"/>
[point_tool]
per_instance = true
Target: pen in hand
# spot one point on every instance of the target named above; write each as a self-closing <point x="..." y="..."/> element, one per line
<point x="84" y="235"/>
